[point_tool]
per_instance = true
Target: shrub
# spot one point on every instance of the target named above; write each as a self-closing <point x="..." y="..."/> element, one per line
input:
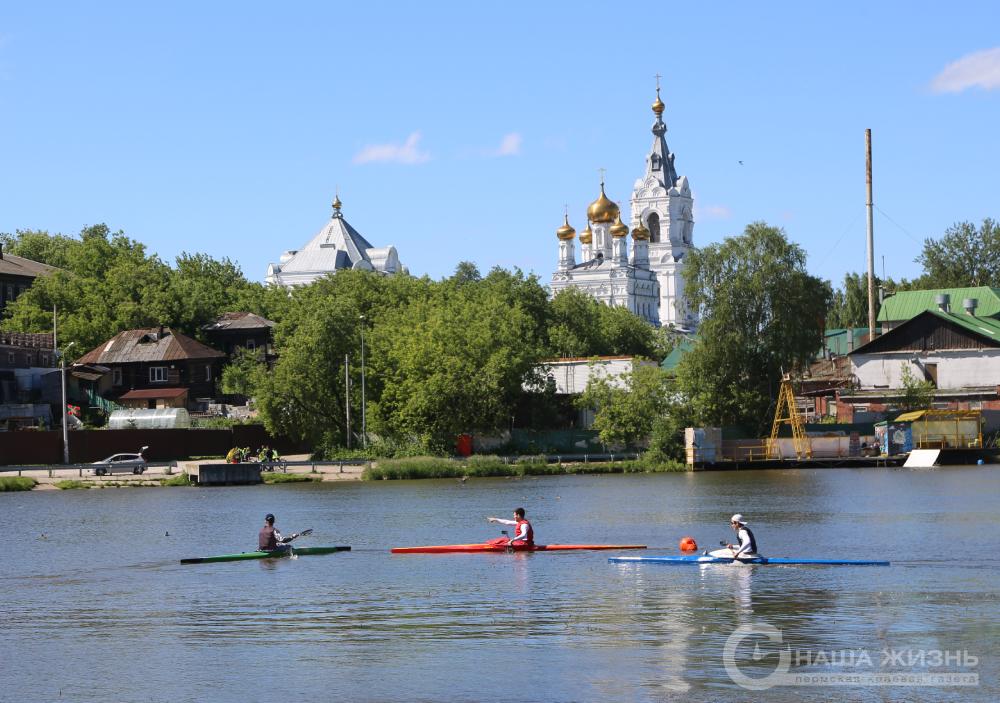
<point x="69" y="485"/>
<point x="16" y="483"/>
<point x="274" y="477"/>
<point x="181" y="479"/>
<point x="414" y="467"/>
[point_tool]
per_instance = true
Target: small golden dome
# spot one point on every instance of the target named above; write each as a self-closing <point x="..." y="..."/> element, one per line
<point x="336" y="203"/>
<point x="586" y="236"/>
<point x="618" y="229"/>
<point x="658" y="106"/>
<point x="566" y="232"/>
<point x="640" y="232"/>
<point x="602" y="209"/>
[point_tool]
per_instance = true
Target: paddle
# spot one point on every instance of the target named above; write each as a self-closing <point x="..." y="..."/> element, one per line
<point x="286" y="540"/>
<point x="509" y="549"/>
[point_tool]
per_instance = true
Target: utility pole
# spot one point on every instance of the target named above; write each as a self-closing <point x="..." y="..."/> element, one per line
<point x="871" y="236"/>
<point x="347" y="398"/>
<point x="364" y="413"/>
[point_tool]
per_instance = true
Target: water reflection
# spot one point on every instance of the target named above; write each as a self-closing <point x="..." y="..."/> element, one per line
<point x="366" y="625"/>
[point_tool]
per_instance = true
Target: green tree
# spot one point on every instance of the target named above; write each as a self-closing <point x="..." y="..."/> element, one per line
<point x="964" y="256"/>
<point x="579" y="326"/>
<point x="627" y="406"/>
<point x="108" y="283"/>
<point x="917" y="394"/>
<point x="457" y="361"/>
<point x="39" y="245"/>
<point x="244" y="374"/>
<point x="761" y="314"/>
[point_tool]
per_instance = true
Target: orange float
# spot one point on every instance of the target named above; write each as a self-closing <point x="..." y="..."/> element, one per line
<point x="688" y="544"/>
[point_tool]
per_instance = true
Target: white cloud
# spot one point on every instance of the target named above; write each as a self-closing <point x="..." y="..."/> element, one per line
<point x="978" y="69"/>
<point x="406" y="153"/>
<point x="510" y="145"/>
<point x="712" y="212"/>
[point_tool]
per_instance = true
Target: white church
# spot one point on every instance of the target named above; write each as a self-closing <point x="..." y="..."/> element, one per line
<point x="647" y="277"/>
<point x="336" y="246"/>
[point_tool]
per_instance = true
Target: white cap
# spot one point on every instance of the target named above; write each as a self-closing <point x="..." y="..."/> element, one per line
<point x="738" y="518"/>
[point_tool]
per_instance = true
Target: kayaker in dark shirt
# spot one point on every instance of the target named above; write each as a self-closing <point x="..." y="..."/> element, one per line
<point x="269" y="539"/>
<point x="524" y="535"/>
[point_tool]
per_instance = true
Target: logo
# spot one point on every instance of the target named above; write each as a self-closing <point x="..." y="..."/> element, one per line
<point x="772" y="636"/>
<point x="757" y="658"/>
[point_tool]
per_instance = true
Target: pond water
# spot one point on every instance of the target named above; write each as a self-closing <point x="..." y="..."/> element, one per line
<point x="97" y="607"/>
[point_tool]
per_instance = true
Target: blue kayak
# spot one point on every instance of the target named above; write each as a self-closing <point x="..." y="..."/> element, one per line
<point x="707" y="559"/>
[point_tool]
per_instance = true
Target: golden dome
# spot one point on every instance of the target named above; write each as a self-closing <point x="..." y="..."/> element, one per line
<point x="586" y="236"/>
<point x="336" y="202"/>
<point x="640" y="232"/>
<point x="602" y="209"/>
<point x="618" y="229"/>
<point x="658" y="106"/>
<point x="566" y="232"/>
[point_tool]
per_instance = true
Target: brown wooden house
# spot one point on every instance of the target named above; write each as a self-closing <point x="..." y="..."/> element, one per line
<point x="160" y="360"/>
<point x="235" y="331"/>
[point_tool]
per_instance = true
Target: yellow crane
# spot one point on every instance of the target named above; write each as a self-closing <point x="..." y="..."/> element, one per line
<point x="787" y="412"/>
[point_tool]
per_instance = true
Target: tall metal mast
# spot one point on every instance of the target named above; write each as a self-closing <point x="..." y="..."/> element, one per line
<point x="871" y="236"/>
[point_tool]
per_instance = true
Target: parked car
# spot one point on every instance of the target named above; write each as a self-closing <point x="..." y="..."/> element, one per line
<point x="120" y="463"/>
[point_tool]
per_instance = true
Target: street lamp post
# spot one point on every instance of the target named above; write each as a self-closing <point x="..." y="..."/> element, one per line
<point x="65" y="410"/>
<point x="364" y="428"/>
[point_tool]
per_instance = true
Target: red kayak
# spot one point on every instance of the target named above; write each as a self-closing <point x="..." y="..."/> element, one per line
<point x="500" y="546"/>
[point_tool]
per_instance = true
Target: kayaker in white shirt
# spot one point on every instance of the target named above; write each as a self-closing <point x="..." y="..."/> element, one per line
<point x="747" y="547"/>
<point x="524" y="535"/>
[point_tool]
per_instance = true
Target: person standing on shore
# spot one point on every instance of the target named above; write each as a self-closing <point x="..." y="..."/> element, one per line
<point x="524" y="535"/>
<point x="269" y="539"/>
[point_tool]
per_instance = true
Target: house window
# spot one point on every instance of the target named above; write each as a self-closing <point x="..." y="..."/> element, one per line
<point x="208" y="372"/>
<point x="116" y="377"/>
<point x="45" y="359"/>
<point x="10" y="357"/>
<point x="157" y="374"/>
<point x="27" y="359"/>
<point x="10" y="292"/>
<point x="251" y="345"/>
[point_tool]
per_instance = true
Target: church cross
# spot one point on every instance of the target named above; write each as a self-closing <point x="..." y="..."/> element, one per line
<point x="658" y="77"/>
<point x="602" y="176"/>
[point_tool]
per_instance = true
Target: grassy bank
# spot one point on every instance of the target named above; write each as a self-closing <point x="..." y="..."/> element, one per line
<point x="16" y="483"/>
<point x="274" y="477"/>
<point x="483" y="466"/>
<point x="69" y="485"/>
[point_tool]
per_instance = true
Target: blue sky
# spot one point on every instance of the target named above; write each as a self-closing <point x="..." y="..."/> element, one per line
<point x="457" y="131"/>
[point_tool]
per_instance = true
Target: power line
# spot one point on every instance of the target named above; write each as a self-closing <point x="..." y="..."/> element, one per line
<point x="903" y="229"/>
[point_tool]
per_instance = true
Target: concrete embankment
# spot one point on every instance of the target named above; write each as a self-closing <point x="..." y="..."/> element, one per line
<point x="48" y="477"/>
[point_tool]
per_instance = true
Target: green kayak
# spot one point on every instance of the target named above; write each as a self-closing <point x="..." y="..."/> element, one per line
<point x="299" y="551"/>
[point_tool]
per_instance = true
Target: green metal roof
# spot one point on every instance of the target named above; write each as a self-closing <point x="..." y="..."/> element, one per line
<point x="674" y="357"/>
<point x="983" y="326"/>
<point x="986" y="327"/>
<point x="910" y="303"/>
<point x="837" y="340"/>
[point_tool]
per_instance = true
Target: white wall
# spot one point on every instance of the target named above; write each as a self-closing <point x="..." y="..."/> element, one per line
<point x="955" y="369"/>
<point x="572" y="375"/>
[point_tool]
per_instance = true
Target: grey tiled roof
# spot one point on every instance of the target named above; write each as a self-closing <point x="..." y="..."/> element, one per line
<point x="11" y="265"/>
<point x="238" y="321"/>
<point x="145" y="345"/>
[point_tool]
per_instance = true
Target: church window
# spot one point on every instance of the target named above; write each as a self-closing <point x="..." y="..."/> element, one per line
<point x="654" y="162"/>
<point x="653" y="225"/>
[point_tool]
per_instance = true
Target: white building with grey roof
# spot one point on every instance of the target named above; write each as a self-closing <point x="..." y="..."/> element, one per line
<point x="335" y="247"/>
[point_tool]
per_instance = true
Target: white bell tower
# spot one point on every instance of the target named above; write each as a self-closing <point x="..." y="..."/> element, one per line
<point x="662" y="203"/>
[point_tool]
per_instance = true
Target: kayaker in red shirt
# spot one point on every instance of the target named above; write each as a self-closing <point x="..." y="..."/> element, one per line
<point x="269" y="539"/>
<point x="524" y="535"/>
